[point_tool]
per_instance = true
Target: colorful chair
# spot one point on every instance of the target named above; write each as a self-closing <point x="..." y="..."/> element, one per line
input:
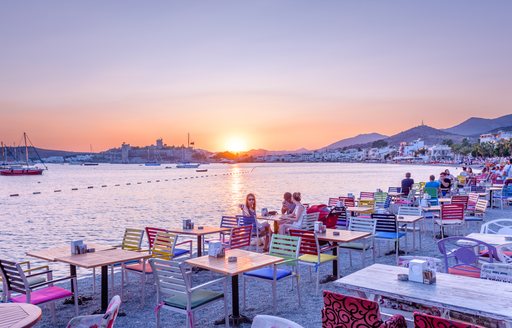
<point x="37" y="279"/>
<point x="502" y="196"/>
<point x="342" y="311"/>
<point x="312" y="255"/>
<point x="434" y="196"/>
<point x="366" y="244"/>
<point x="151" y="234"/>
<point x="452" y="215"/>
<point x="462" y="256"/>
<point x="98" y="320"/>
<point x="239" y="237"/>
<point x="504" y="252"/>
<point x="381" y="200"/>
<point x="460" y="199"/>
<point x="16" y="281"/>
<point x="387" y="229"/>
<point x="348" y="201"/>
<point x="255" y="232"/>
<point x="478" y="212"/>
<point x="287" y="248"/>
<point x="174" y="291"/>
<point x="422" y="320"/>
<point x="333" y="201"/>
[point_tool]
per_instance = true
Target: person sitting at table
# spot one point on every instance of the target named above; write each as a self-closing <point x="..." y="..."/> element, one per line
<point x="293" y="220"/>
<point x="433" y="183"/>
<point x="288" y="205"/>
<point x="249" y="210"/>
<point x="446" y="184"/>
<point x="407" y="184"/>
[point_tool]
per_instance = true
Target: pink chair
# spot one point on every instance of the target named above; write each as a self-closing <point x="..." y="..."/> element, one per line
<point x="341" y="311"/>
<point x="16" y="281"/>
<point x="422" y="320"/>
<point x="99" y="320"/>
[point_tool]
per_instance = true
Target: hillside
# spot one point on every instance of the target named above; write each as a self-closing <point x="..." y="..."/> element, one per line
<point x="476" y="125"/>
<point x="43" y="153"/>
<point x="263" y="152"/>
<point x="357" y="140"/>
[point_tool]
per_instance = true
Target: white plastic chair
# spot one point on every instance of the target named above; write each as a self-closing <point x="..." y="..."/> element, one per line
<point x="505" y="253"/>
<point x="497" y="227"/>
<point x="269" y="321"/>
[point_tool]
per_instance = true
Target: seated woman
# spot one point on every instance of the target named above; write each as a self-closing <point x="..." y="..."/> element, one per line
<point x="293" y="220"/>
<point x="446" y="184"/>
<point x="249" y="210"/>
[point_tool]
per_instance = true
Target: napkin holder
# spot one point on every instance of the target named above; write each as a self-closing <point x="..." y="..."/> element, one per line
<point x="216" y="249"/>
<point x="416" y="268"/>
<point x="76" y="247"/>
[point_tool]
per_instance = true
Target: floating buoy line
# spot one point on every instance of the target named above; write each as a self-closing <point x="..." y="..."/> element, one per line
<point x="139" y="182"/>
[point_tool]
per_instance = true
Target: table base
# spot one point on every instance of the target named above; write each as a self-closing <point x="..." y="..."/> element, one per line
<point x="234" y="321"/>
<point x="329" y="278"/>
<point x="393" y="252"/>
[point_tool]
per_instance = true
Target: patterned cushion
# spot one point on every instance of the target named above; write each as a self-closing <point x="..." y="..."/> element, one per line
<point x="43" y="295"/>
<point x="341" y="311"/>
<point x="428" y="321"/>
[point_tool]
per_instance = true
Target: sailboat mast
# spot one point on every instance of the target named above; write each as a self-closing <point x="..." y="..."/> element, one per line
<point x="188" y="140"/>
<point x="26" y="147"/>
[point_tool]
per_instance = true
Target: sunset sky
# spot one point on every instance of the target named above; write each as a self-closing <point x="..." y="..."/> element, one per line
<point x="269" y="74"/>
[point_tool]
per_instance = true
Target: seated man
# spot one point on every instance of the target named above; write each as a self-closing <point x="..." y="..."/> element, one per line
<point x="407" y="184"/>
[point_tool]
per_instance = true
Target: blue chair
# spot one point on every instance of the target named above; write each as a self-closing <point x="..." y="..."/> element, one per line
<point x="387" y="229"/>
<point x="251" y="220"/>
<point x="503" y="196"/>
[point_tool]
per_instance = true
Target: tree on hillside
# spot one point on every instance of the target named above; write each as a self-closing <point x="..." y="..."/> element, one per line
<point x="379" y="144"/>
<point x="447" y="142"/>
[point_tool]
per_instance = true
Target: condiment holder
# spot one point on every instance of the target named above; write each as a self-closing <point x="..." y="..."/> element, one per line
<point x="335" y="233"/>
<point x="403" y="277"/>
<point x="200" y="228"/>
<point x="232" y="259"/>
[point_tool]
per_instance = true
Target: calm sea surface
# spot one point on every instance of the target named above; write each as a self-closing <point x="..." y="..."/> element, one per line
<point x="100" y="214"/>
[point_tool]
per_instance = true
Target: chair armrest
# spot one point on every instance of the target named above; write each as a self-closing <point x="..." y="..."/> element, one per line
<point x="39" y="273"/>
<point x="38" y="268"/>
<point x="209" y="283"/>
<point x="52" y="281"/>
<point x="185" y="242"/>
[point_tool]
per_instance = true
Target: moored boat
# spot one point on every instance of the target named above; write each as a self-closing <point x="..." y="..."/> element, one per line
<point x="202" y="170"/>
<point x="187" y="165"/>
<point x="21" y="170"/>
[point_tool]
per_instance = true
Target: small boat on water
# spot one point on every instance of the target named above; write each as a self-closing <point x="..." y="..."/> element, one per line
<point x="18" y="170"/>
<point x="202" y="170"/>
<point x="152" y="164"/>
<point x="187" y="165"/>
<point x="90" y="164"/>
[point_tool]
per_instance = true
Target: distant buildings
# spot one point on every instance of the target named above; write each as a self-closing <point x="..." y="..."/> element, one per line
<point x="495" y="137"/>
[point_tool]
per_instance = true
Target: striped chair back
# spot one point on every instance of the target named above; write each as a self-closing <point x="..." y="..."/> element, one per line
<point x="308" y="241"/>
<point x="472" y="199"/>
<point x="348" y="201"/>
<point x="481" y="207"/>
<point x="408" y="210"/>
<point x="285" y="246"/>
<point x="395" y="189"/>
<point x="460" y="199"/>
<point x="333" y="201"/>
<point x="385" y="222"/>
<point x="151" y="234"/>
<point x="366" y="195"/>
<point x="132" y="239"/>
<point x="452" y="212"/>
<point x="163" y="245"/>
<point x="14" y="279"/>
<point x="362" y="225"/>
<point x="342" y="216"/>
<point x="382" y="200"/>
<point x="240" y="237"/>
<point x="229" y="221"/>
<point x="171" y="279"/>
<point x="308" y="221"/>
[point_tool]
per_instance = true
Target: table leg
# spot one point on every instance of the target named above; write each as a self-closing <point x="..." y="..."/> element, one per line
<point x="199" y="245"/>
<point x="104" y="288"/>
<point x="72" y="271"/>
<point x="334" y="275"/>
<point x="236" y="318"/>
<point x="414" y="235"/>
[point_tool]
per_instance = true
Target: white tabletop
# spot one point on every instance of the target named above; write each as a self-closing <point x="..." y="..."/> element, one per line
<point x="465" y="294"/>
<point x="491" y="239"/>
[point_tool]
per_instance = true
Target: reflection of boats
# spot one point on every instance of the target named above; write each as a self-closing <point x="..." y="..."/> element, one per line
<point x="187" y="165"/>
<point x="202" y="170"/>
<point x="17" y="169"/>
<point x="90" y="164"/>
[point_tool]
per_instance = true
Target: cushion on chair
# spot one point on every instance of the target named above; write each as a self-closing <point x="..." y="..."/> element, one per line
<point x="465" y="270"/>
<point x="448" y="222"/>
<point x="268" y="273"/>
<point x="180" y="251"/>
<point x="43" y="295"/>
<point x="314" y="258"/>
<point x="354" y="245"/>
<point x="389" y="235"/>
<point x="198" y="298"/>
<point x="422" y="320"/>
<point x="138" y="267"/>
<point x="473" y="218"/>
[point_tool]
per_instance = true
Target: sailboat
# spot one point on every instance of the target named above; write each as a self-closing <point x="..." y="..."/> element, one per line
<point x="17" y="169"/>
<point x="187" y="165"/>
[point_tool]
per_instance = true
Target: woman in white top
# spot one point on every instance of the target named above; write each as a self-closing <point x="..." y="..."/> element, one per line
<point x="249" y="210"/>
<point x="293" y="220"/>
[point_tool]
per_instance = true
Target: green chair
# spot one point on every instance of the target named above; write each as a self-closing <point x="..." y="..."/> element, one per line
<point x="433" y="193"/>
<point x="286" y="247"/>
<point x="174" y="291"/>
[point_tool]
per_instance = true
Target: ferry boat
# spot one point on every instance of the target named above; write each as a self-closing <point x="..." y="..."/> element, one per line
<point x="202" y="170"/>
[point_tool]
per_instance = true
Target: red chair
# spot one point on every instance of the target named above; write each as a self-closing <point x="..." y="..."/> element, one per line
<point x="461" y="199"/>
<point x="451" y="215"/>
<point x="422" y="320"/>
<point x="239" y="237"/>
<point x="98" y="320"/>
<point x="151" y="233"/>
<point x="341" y="311"/>
<point x="348" y="201"/>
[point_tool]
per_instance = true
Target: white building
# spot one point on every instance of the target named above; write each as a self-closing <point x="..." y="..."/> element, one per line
<point x="495" y="137"/>
<point x="440" y="152"/>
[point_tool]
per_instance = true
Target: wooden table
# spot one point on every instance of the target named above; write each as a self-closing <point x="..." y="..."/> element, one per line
<point x="345" y="236"/>
<point x="19" y="315"/>
<point x="275" y="218"/>
<point x="443" y="200"/>
<point x="103" y="259"/>
<point x="246" y="261"/>
<point x="475" y="296"/>
<point x="491" y="239"/>
<point x="199" y="233"/>
<point x="412" y="219"/>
